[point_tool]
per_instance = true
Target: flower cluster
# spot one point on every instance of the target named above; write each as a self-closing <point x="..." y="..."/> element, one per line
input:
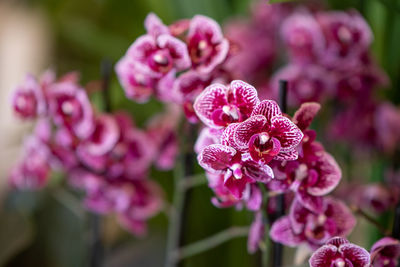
<point x="104" y="154"/>
<point x="251" y="134"/>
<point x="174" y="63"/>
<point x="247" y="142"/>
<point x="328" y="60"/>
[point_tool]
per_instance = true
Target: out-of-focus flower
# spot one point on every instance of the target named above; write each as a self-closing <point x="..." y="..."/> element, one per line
<point x="256" y="234"/>
<point x="207" y="136"/>
<point x="347" y="36"/>
<point x="218" y="106"/>
<point x="340" y="252"/>
<point x="385" y="252"/>
<point x="253" y="50"/>
<point x="206" y="44"/>
<point x="28" y="99"/>
<point x="239" y="169"/>
<point x="70" y="107"/>
<point x="305" y="84"/>
<point x="303" y="37"/>
<point x="162" y="131"/>
<point x="251" y="197"/>
<point x="387" y="125"/>
<point x="136" y="83"/>
<point x="33" y="171"/>
<point x="145" y="201"/>
<point x="134" y="202"/>
<point x="100" y="143"/>
<point x="266" y="135"/>
<point x="159" y="54"/>
<point x="315" y="173"/>
<point x="314" y="228"/>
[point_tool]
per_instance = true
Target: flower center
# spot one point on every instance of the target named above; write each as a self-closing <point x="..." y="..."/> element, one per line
<point x="161" y="61"/>
<point x="67" y="108"/>
<point x="200" y="49"/>
<point x="226" y="115"/>
<point x="339" y="263"/>
<point x="263" y="148"/>
<point x="344" y="34"/>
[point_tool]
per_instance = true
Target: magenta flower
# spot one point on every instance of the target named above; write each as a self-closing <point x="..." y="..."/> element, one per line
<point x="304" y="38"/>
<point x="313" y="228"/>
<point x="103" y="139"/>
<point x="70" y="107"/>
<point x="207" y="136"/>
<point x="28" y="99"/>
<point x="256" y="234"/>
<point x="218" y="105"/>
<point x="252" y="50"/>
<point x="157" y="56"/>
<point x="190" y="84"/>
<point x="340" y="252"/>
<point x="238" y="168"/>
<point x="155" y="26"/>
<point x="144" y="202"/>
<point x="128" y="150"/>
<point x="251" y="197"/>
<point x="347" y="34"/>
<point x="162" y="131"/>
<point x="306" y="84"/>
<point x="137" y="84"/>
<point x="315" y="173"/>
<point x="266" y="135"/>
<point x="387" y="125"/>
<point x="206" y="44"/>
<point x="33" y="171"/>
<point x="385" y="252"/>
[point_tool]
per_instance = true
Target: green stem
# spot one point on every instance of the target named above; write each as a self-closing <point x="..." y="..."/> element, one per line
<point x="210" y="242"/>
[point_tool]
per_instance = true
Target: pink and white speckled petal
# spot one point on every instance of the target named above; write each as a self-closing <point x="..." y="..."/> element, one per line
<point x="245" y="130"/>
<point x="268" y="108"/>
<point x="286" y="132"/>
<point x="213" y="97"/>
<point x="177" y="50"/>
<point x="216" y="157"/>
<point x="246" y="96"/>
<point x="154" y="25"/>
<point x="282" y="232"/>
<point x="305" y="114"/>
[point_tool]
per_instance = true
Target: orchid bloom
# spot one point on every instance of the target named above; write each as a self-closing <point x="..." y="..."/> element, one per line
<point x="28" y="99"/>
<point x="218" y="106"/>
<point x="385" y="252"/>
<point x="206" y="44"/>
<point x="313" y="228"/>
<point x="238" y="168"/>
<point x="69" y="107"/>
<point x="339" y="252"/>
<point x="266" y="134"/>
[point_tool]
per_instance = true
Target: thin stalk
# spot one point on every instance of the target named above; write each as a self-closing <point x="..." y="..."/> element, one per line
<point x="371" y="220"/>
<point x="178" y="219"/>
<point x="396" y="222"/>
<point x="96" y="244"/>
<point x="277" y="248"/>
<point x="210" y="242"/>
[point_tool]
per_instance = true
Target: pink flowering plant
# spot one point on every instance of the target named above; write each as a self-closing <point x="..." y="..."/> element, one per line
<point x="219" y="87"/>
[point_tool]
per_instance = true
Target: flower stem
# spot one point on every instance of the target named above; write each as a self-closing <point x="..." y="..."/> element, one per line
<point x="371" y="220"/>
<point x="210" y="242"/>
<point x="277" y="248"/>
<point x="97" y="247"/>
<point x="396" y="223"/>
<point x="177" y="224"/>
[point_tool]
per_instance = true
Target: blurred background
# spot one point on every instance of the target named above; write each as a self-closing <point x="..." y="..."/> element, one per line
<point x="51" y="227"/>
